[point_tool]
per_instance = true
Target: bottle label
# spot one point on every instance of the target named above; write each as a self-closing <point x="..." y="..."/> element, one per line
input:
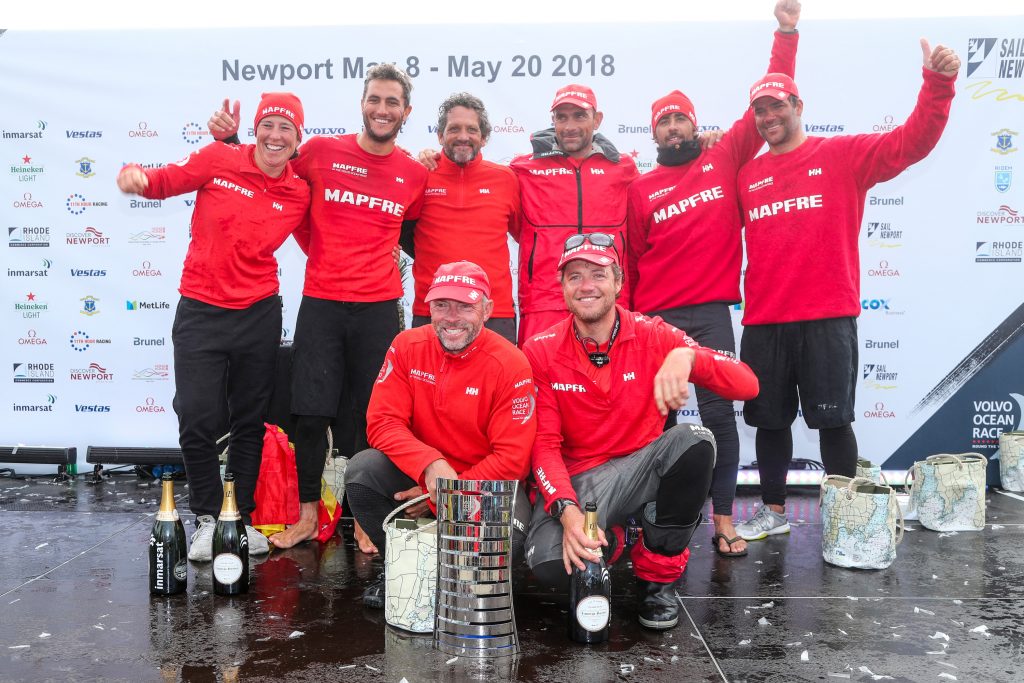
<point x="171" y="516"/>
<point x="227" y="568"/>
<point x="181" y="569"/>
<point x="592" y="613"/>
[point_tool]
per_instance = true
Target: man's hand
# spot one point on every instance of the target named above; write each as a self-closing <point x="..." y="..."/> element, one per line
<point x="672" y="383"/>
<point x="708" y="138"/>
<point x="941" y="59"/>
<point x="132" y="180"/>
<point x="417" y="510"/>
<point x="224" y="122"/>
<point x="437" y="469"/>
<point x="428" y="158"/>
<point x="576" y="545"/>
<point x="788" y="14"/>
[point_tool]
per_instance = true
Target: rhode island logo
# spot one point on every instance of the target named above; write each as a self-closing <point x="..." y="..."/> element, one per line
<point x="1004" y="141"/>
<point x="978" y="51"/>
<point x="89" y="305"/>
<point x="1003" y="178"/>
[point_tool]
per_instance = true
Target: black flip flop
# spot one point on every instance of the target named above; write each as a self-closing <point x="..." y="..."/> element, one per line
<point x="729" y="541"/>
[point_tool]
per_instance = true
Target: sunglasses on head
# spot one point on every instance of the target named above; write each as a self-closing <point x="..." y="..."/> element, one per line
<point x="598" y="239"/>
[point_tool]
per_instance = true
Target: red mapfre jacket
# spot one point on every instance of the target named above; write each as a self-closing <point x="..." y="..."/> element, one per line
<point x="355" y="219"/>
<point x="240" y="219"/>
<point x="580" y="427"/>
<point x="562" y="196"/>
<point x="685" y="227"/>
<point x="475" y="409"/>
<point x="468" y="212"/>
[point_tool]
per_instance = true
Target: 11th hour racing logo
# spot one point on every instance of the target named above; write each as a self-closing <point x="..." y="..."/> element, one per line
<point x="995" y="58"/>
<point x="76" y="204"/>
<point x="193" y="133"/>
<point x="80" y="341"/>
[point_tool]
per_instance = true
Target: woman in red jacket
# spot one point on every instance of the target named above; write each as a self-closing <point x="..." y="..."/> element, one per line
<point x="227" y="327"/>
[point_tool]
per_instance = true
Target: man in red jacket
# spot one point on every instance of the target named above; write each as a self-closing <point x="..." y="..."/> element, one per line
<point x="574" y="182"/>
<point x="452" y="400"/>
<point x="803" y="203"/>
<point x="227" y="326"/>
<point x="606" y="378"/>
<point x="363" y="187"/>
<point x="470" y="207"/>
<point x="685" y="250"/>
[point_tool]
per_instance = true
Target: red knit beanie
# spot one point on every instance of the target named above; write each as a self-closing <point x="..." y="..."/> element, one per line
<point x="280" y="104"/>
<point x="674" y="101"/>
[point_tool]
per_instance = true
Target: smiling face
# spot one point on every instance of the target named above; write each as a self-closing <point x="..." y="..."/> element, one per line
<point x="384" y="110"/>
<point x="673" y="129"/>
<point x="461" y="138"/>
<point x="458" y="324"/>
<point x="276" y="141"/>
<point x="575" y="128"/>
<point x="779" y="123"/>
<point x="590" y="290"/>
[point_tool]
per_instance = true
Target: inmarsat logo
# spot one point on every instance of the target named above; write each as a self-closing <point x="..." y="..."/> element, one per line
<point x="1006" y="62"/>
<point x="993" y="417"/>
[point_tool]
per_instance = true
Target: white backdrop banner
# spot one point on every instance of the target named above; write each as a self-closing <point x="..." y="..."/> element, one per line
<point x="90" y="275"/>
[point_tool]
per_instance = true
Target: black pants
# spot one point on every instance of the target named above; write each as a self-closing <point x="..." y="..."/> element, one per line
<point x="339" y="349"/>
<point x="223" y="354"/>
<point x="372" y="480"/>
<point x="711" y="326"/>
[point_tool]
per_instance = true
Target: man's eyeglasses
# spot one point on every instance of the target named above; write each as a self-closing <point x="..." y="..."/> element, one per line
<point x="598" y="239"/>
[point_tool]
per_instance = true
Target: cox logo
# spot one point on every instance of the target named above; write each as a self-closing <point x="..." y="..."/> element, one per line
<point x="875" y="304"/>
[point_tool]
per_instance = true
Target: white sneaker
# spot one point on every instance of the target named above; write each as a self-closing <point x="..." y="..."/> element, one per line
<point x="766" y="522"/>
<point x="201" y="549"/>
<point x="258" y="544"/>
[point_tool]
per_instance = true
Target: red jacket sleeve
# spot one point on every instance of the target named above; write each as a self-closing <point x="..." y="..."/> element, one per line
<point x="187" y="175"/>
<point x="718" y="371"/>
<point x="878" y="157"/>
<point x="514" y="214"/>
<point x="548" y="466"/>
<point x="743" y="140"/>
<point x="511" y="427"/>
<point x="636" y="238"/>
<point x="389" y="419"/>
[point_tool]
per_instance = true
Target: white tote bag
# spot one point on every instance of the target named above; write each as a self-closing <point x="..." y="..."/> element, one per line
<point x="410" y="571"/>
<point x="861" y="523"/>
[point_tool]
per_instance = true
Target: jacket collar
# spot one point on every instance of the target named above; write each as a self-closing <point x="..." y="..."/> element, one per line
<point x="545" y="145"/>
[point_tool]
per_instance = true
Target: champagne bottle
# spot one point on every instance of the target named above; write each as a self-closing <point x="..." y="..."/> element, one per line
<point x="230" y="546"/>
<point x="168" y="567"/>
<point x="589" y="591"/>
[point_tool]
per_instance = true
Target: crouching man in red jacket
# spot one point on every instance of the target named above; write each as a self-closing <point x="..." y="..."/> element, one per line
<point x="606" y="378"/>
<point x="452" y="400"/>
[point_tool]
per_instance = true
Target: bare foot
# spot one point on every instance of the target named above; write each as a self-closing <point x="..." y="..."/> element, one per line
<point x="724" y="526"/>
<point x="363" y="541"/>
<point x="303" y="530"/>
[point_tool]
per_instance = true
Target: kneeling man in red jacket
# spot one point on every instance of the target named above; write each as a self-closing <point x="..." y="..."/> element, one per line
<point x="606" y="378"/>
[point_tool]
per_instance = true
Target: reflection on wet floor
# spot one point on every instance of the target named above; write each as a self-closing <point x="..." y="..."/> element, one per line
<point x="74" y="606"/>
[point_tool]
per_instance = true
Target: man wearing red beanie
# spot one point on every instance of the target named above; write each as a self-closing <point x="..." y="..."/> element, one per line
<point x="803" y="203"/>
<point x="228" y="323"/>
<point x="362" y="190"/>
<point x="685" y="251"/>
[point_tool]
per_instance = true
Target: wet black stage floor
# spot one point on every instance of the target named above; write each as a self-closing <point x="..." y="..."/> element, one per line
<point x="74" y="606"/>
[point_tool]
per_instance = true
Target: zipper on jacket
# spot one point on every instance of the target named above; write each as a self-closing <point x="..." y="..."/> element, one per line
<point x="440" y="381"/>
<point x="579" y="197"/>
<point x="533" y="252"/>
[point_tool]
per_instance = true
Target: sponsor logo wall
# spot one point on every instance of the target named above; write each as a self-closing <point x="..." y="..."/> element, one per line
<point x="90" y="276"/>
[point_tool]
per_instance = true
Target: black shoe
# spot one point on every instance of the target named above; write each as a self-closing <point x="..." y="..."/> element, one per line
<point x="659" y="606"/>
<point x="373" y="596"/>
